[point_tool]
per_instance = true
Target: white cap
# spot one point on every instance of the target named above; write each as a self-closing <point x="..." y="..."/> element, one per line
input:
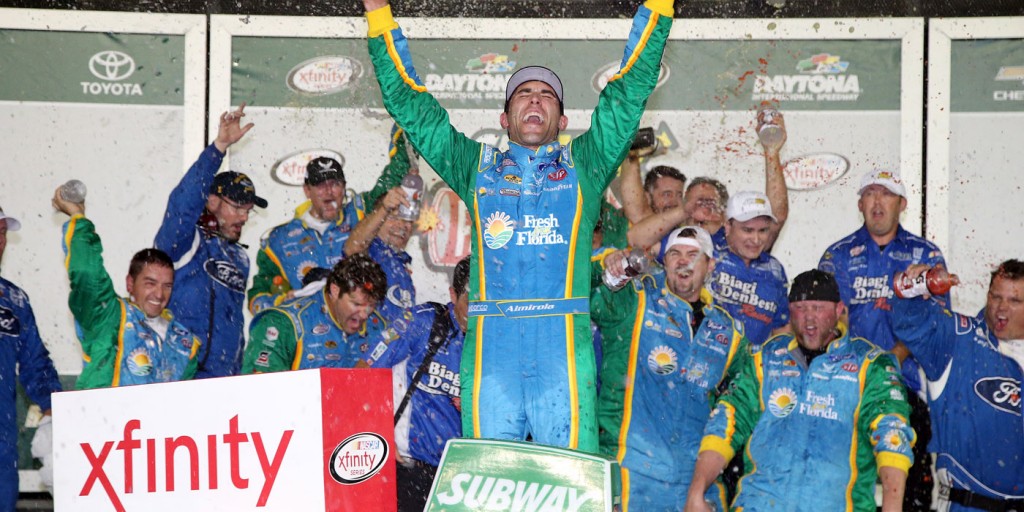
<point x="699" y="239"/>
<point x="12" y="223"/>
<point x="747" y="205"/>
<point x="888" y="179"/>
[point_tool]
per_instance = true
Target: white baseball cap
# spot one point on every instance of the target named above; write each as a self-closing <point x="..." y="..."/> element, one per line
<point x="530" y="74"/>
<point x="12" y="223"/>
<point x="888" y="179"/>
<point x="747" y="205"/>
<point x="691" y="236"/>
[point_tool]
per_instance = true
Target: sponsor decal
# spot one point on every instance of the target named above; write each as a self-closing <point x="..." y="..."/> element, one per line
<point x="512" y="178"/>
<point x="730" y="288"/>
<point x="894" y="440"/>
<point x="857" y="251"/>
<point x="558" y="175"/>
<point x="481" y="492"/>
<point x="378" y="351"/>
<point x="790" y="373"/>
<point x="850" y="367"/>
<point x="139" y="362"/>
<point x="111" y="67"/>
<point x="606" y="72"/>
<point x="498" y="230"/>
<point x="331" y="344"/>
<point x="815" y="171"/>
<point x="291" y="168"/>
<point x="321" y="329"/>
<point x="819" y="406"/>
<point x="204" y="453"/>
<point x="399" y="296"/>
<point x="263" y="359"/>
<point x="358" y="458"/>
<point x="440" y="377"/>
<point x="225" y="273"/>
<point x="321" y="76"/>
<point x="780" y="351"/>
<point x="821" y="77"/>
<point x="539" y="231"/>
<point x="662" y="360"/>
<point x="508" y="192"/>
<point x="1009" y="74"/>
<point x="782" y="402"/>
<point x="964" y="325"/>
<point x="1003" y="393"/>
<point x="674" y="333"/>
<point x="272" y="333"/>
<point x="9" y="323"/>
<point x="896" y="394"/>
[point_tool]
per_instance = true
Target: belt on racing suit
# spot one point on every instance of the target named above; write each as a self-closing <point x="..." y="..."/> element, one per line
<point x="526" y="308"/>
<point x="970" y="499"/>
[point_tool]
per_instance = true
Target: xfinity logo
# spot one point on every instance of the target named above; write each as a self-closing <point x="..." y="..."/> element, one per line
<point x="152" y="460"/>
<point x="111" y="66"/>
<point x="358" y="458"/>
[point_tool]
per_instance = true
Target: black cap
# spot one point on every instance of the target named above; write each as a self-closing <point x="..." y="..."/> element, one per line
<point x="323" y="168"/>
<point x="236" y="187"/>
<point x="814" y="285"/>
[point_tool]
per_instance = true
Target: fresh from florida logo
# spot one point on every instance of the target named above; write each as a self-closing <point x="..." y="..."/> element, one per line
<point x="782" y="402"/>
<point x="490" y="63"/>
<point x="498" y="230"/>
<point x="662" y="360"/>
<point x="821" y="77"/>
<point x="139" y="362"/>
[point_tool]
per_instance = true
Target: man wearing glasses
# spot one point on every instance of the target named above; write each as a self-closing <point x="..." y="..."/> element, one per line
<point x="200" y="231"/>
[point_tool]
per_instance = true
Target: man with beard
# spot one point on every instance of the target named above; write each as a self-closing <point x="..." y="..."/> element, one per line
<point x="863" y="264"/>
<point x="316" y="236"/>
<point x="203" y="222"/>
<point x="975" y="368"/>
<point x="667" y="348"/>
<point x="819" y="417"/>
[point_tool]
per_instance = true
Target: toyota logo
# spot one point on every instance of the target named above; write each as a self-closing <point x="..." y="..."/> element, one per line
<point x="112" y="65"/>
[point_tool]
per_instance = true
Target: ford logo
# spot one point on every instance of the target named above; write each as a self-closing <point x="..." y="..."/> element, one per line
<point x="813" y="172"/>
<point x="321" y="76"/>
<point x="291" y="170"/>
<point x="1000" y="392"/>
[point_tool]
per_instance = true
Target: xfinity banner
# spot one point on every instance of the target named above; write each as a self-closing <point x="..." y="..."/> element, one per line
<point x="304" y="440"/>
<point x="848" y="88"/>
<point x="977" y="109"/>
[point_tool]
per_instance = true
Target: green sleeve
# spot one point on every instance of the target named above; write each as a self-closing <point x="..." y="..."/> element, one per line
<point x="454" y="156"/>
<point x="272" y="343"/>
<point x="609" y="309"/>
<point x="394" y="171"/>
<point x="614" y="122"/>
<point x="193" y="362"/>
<point x="737" y="411"/>
<point x="614" y="226"/>
<point x="92" y="300"/>
<point x="885" y="413"/>
<point x="259" y="294"/>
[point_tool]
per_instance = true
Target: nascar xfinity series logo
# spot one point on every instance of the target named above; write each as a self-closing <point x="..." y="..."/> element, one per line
<point x="821" y="77"/>
<point x="321" y="76"/>
<point x="111" y="68"/>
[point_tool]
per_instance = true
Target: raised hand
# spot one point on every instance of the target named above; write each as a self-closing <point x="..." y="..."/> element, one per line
<point x="231" y="129"/>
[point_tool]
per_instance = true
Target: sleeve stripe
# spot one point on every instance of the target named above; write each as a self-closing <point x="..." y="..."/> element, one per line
<point x="651" y="24"/>
<point x="389" y="40"/>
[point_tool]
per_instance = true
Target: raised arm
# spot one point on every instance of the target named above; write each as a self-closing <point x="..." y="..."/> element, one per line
<point x="774" y="179"/>
<point x="615" y="120"/>
<point x="188" y="199"/>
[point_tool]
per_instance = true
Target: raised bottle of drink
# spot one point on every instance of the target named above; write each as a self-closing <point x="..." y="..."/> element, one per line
<point x="73" y="191"/>
<point x="279" y="286"/>
<point x="770" y="132"/>
<point x="412" y="185"/>
<point x="634" y="264"/>
<point x="935" y="281"/>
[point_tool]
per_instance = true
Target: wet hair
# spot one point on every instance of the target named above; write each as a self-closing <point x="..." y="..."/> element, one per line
<point x="723" y="193"/>
<point x="1012" y="270"/>
<point x="359" y="271"/>
<point x="460" y="277"/>
<point x="148" y="257"/>
<point x="662" y="171"/>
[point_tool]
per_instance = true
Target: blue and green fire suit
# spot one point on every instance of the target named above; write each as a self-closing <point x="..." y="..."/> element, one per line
<point x="816" y="434"/>
<point x="528" y="362"/>
<point x="652" y="410"/>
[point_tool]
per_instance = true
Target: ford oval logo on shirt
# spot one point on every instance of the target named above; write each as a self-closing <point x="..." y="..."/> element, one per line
<point x="1000" y="392"/>
<point x="225" y="273"/>
<point x="9" y="324"/>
